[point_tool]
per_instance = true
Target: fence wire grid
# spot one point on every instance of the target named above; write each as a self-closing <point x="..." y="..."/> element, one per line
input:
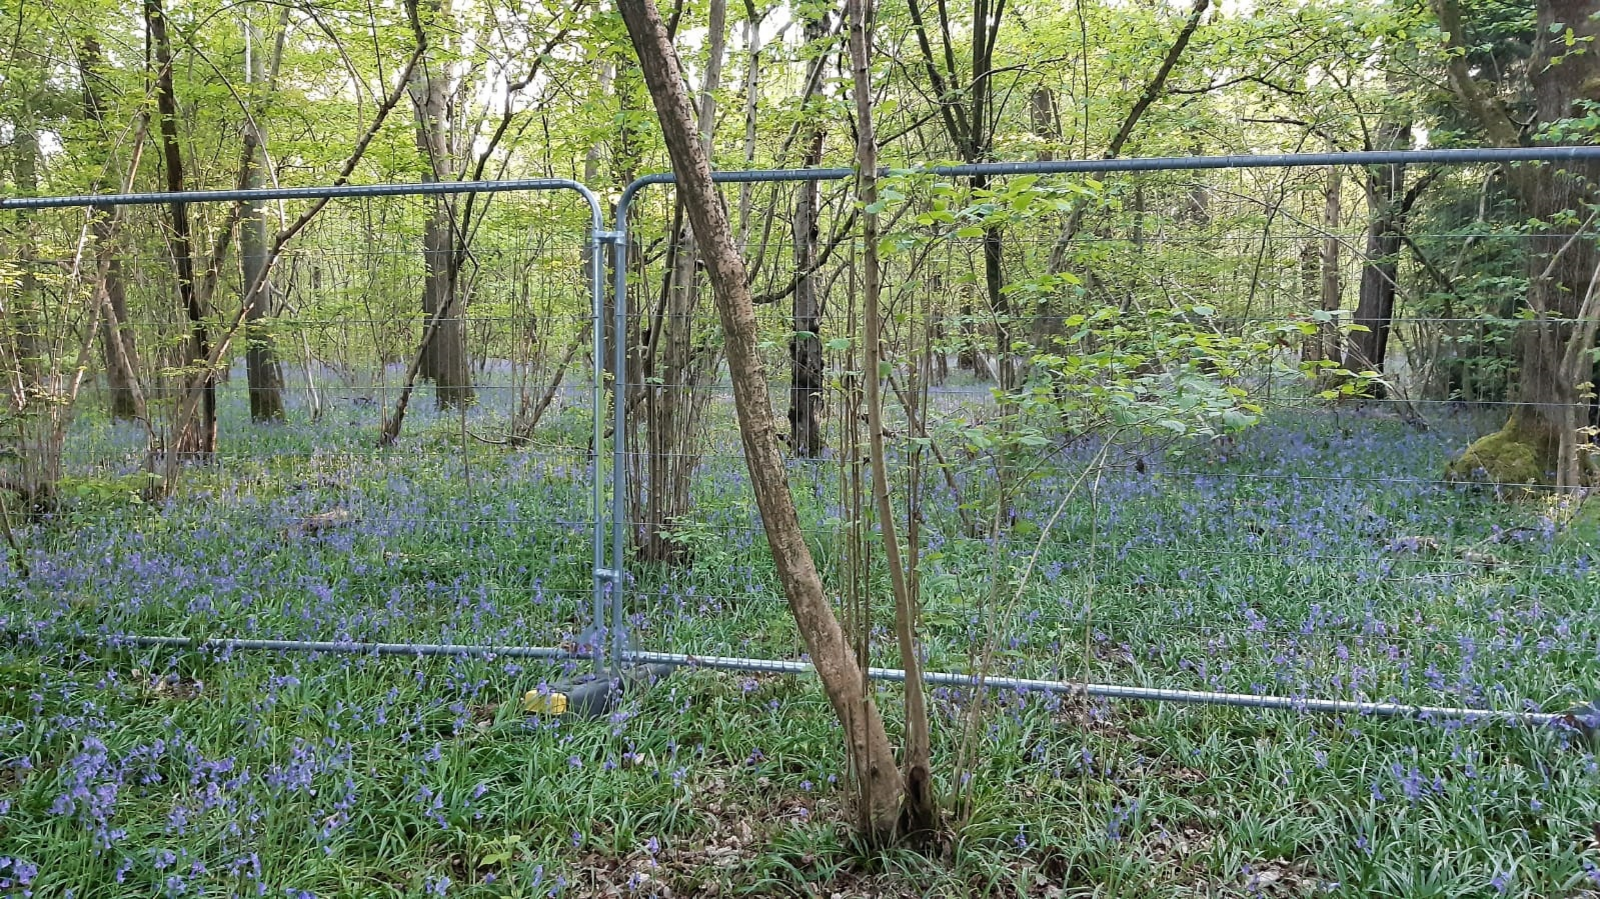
<point x="579" y="495"/>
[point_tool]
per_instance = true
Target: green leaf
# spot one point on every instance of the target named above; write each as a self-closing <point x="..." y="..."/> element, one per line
<point x="1235" y="418"/>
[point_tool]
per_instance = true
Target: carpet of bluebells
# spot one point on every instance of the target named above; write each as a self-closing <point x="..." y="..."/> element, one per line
<point x="1315" y="555"/>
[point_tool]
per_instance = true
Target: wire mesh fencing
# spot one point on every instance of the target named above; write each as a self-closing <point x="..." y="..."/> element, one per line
<point x="1174" y="548"/>
<point x="1133" y="432"/>
<point x="384" y="444"/>
<point x="1201" y="441"/>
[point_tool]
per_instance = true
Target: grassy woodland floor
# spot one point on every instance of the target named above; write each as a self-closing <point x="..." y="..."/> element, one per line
<point x="1319" y="555"/>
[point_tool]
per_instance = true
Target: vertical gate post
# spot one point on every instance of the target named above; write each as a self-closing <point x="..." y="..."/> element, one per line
<point x="619" y="424"/>
<point x="607" y="567"/>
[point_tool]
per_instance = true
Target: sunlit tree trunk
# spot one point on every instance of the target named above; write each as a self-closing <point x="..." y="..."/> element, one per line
<point x="1332" y="292"/>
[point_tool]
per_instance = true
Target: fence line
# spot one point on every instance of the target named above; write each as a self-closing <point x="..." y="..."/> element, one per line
<point x="609" y="640"/>
<point x="597" y="238"/>
<point x="613" y="572"/>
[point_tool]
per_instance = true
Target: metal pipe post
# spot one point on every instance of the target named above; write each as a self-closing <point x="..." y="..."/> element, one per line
<point x="597" y="403"/>
<point x="619" y="438"/>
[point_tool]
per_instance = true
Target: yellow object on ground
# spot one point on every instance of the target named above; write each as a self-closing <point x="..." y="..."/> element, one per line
<point x="544" y="703"/>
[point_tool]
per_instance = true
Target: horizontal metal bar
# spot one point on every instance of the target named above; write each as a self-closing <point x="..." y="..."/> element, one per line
<point x="466" y="650"/>
<point x="430" y="188"/>
<point x="1113" y="691"/>
<point x="996" y="169"/>
<point x="1148" y="164"/>
<point x="780" y="666"/>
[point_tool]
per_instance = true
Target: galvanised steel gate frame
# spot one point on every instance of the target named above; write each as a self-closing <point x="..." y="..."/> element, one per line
<point x="608" y="639"/>
<point x="598" y="238"/>
<point x="612" y="572"/>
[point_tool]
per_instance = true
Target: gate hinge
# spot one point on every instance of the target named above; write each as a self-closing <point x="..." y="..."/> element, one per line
<point x="609" y="236"/>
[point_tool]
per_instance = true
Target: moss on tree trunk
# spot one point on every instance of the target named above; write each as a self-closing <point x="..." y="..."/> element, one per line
<point x="1522" y="452"/>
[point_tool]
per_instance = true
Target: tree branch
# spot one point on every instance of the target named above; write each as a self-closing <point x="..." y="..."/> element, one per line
<point x="1489" y="111"/>
<point x="1157" y="83"/>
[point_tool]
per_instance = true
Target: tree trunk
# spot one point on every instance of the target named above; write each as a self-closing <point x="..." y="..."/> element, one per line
<point x="871" y="759"/>
<point x="1310" y="289"/>
<point x="1332" y="289"/>
<point x="125" y="397"/>
<point x="445" y="361"/>
<point x="116" y="336"/>
<point x="752" y="107"/>
<point x="1045" y="325"/>
<point x="1380" y="269"/>
<point x="1561" y="263"/>
<point x="33" y="472"/>
<point x="196" y="439"/>
<point x="919" y="814"/>
<point x="1199" y="205"/>
<point x="26" y="314"/>
<point x="966" y="111"/>
<point x="676" y="365"/>
<point x="261" y="361"/>
<point x="1042" y="121"/>
<point x="994" y="281"/>
<point x="805" y="346"/>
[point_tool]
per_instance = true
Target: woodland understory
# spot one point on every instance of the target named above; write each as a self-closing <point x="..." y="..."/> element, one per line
<point x="1319" y="431"/>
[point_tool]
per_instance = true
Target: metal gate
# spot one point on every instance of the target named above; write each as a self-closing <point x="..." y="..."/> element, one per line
<point x="589" y="644"/>
<point x="625" y="648"/>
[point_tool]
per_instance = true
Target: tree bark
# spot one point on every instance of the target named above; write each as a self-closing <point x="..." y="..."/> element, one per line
<point x="1380" y="268"/>
<point x="1561" y="262"/>
<point x="196" y="438"/>
<point x="805" y="346"/>
<point x="1332" y="290"/>
<point x="867" y="743"/>
<point x="262" y="371"/>
<point x="26" y="315"/>
<point x="126" y="400"/>
<point x="919" y="814"/>
<point x="752" y="106"/>
<point x="445" y="361"/>
<point x="676" y="364"/>
<point x="117" y="337"/>
<point x="1310" y="284"/>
